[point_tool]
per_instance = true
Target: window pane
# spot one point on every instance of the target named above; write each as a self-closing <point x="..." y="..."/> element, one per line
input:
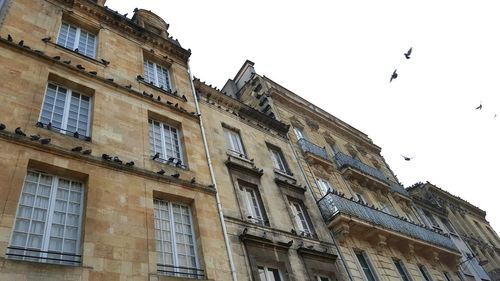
<point x="164" y="139"/>
<point x="365" y="267"/>
<point x="67" y="36"/>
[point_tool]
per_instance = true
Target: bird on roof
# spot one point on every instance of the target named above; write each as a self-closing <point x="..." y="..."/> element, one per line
<point x="408" y="54"/>
<point x="394" y="75"/>
<point x="480" y="106"/>
<point x="495" y="116"/>
<point x="406" y="158"/>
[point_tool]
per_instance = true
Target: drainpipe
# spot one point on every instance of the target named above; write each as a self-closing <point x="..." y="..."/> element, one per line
<point x="212" y="176"/>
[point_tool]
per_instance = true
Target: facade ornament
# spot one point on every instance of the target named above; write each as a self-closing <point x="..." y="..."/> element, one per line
<point x="312" y="124"/>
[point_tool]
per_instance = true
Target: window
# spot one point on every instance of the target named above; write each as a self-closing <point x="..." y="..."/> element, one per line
<point x="77" y="39"/>
<point x="385" y="208"/>
<point x="448" y="276"/>
<point x="48" y="220"/>
<point x="298" y="133"/>
<point x="324" y="186"/>
<point x="402" y="270"/>
<point x="278" y="160"/>
<point x="269" y="274"/>
<point x="157" y="75"/>
<point x="431" y="220"/>
<point x="164" y="139"/>
<point x="301" y="218"/>
<point x="448" y="225"/>
<point x="175" y="240"/>
<point x="425" y="273"/>
<point x="233" y="140"/>
<point x="365" y="266"/>
<point x="66" y="110"/>
<point x="254" y="206"/>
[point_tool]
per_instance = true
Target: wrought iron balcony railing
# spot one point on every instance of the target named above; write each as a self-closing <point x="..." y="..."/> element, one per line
<point x="333" y="205"/>
<point x="36" y="255"/>
<point x="309" y="147"/>
<point x="344" y="160"/>
<point x="180" y="271"/>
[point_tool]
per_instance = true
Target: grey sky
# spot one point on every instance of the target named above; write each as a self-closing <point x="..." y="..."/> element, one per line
<point x="340" y="55"/>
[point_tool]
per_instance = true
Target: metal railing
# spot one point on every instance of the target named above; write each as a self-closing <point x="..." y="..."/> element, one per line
<point x="180" y="271"/>
<point x="35" y="255"/>
<point x="332" y="205"/>
<point x="344" y="160"/>
<point x="307" y="146"/>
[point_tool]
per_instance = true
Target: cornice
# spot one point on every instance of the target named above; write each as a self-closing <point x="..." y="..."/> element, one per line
<point x="97" y="161"/>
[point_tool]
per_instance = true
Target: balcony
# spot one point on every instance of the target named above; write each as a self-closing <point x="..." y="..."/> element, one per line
<point x="354" y="168"/>
<point x="314" y="153"/>
<point x="356" y="219"/>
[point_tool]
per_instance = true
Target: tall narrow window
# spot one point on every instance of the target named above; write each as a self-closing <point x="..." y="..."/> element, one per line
<point x="324" y="186"/>
<point x="269" y="274"/>
<point x="301" y="218"/>
<point x="253" y="205"/>
<point x="402" y="270"/>
<point x="234" y="143"/>
<point x="298" y="133"/>
<point x="77" y="39"/>
<point x="366" y="267"/>
<point x="164" y="139"/>
<point x="278" y="160"/>
<point x="157" y="75"/>
<point x="448" y="225"/>
<point x="66" y="110"/>
<point x="175" y="240"/>
<point x="48" y="220"/>
<point x="425" y="273"/>
<point x="431" y="219"/>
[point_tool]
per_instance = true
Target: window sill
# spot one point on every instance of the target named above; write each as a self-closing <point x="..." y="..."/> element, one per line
<point x="285" y="174"/>
<point x="171" y="163"/>
<point x="63" y="132"/>
<point x="89" y="59"/>
<point x="163" y="91"/>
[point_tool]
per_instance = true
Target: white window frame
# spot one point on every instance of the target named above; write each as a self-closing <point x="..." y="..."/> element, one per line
<point x="278" y="160"/>
<point x="233" y="140"/>
<point x="407" y="276"/>
<point x="369" y="264"/>
<point x="323" y="186"/>
<point x="301" y="217"/>
<point x="67" y="105"/>
<point x="425" y="273"/>
<point x="156" y="78"/>
<point x="266" y="271"/>
<point x="173" y="141"/>
<point x="253" y="205"/>
<point x="173" y="235"/>
<point x="49" y="221"/>
<point x="77" y="39"/>
<point x="299" y="133"/>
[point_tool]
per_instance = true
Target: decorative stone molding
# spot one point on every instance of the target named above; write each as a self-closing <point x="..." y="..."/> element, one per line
<point x="381" y="243"/>
<point x="312" y="124"/>
<point x="342" y="232"/>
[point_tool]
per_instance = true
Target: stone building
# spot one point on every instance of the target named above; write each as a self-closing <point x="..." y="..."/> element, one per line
<point x="110" y="181"/>
<point x="276" y="230"/>
<point x="467" y="226"/>
<point x="369" y="214"/>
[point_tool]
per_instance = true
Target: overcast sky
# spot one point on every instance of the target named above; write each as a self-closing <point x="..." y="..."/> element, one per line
<point x="340" y="55"/>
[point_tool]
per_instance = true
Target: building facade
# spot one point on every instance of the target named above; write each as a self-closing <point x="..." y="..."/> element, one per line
<point x="466" y="224"/>
<point x="102" y="173"/>
<point x="369" y="214"/>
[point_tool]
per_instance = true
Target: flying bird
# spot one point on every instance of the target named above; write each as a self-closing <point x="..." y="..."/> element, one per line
<point x="480" y="106"/>
<point x="495" y="116"/>
<point x="394" y="75"/>
<point x="408" y="54"/>
<point x="19" y="132"/>
<point x="406" y="158"/>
